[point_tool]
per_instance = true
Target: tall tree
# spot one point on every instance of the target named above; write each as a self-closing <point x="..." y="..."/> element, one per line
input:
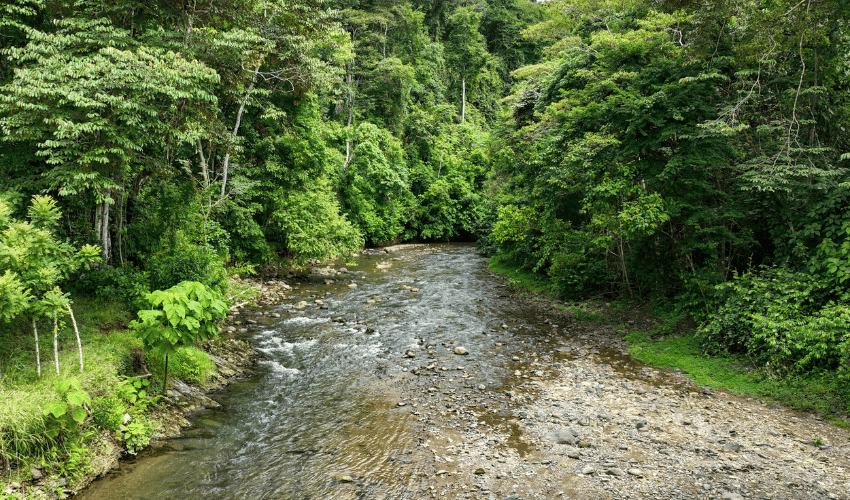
<point x="465" y="51"/>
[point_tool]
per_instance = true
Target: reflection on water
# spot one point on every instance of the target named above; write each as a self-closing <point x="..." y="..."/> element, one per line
<point x="316" y="409"/>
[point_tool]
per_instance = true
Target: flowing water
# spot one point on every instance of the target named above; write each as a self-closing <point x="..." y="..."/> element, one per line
<point x="323" y="401"/>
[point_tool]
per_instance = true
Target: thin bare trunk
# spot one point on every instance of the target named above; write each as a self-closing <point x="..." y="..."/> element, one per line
<point x="463" y="102"/>
<point x="165" y="378"/>
<point x="204" y="170"/>
<point x="37" y="350"/>
<point x="120" y="227"/>
<point x="351" y="100"/>
<point x="236" y="130"/>
<point x="56" y="341"/>
<point x="102" y="229"/>
<point x="623" y="266"/>
<point x="79" y="344"/>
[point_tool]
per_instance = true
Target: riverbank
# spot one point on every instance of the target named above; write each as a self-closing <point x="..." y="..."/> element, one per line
<point x="124" y="412"/>
<point x="665" y="339"/>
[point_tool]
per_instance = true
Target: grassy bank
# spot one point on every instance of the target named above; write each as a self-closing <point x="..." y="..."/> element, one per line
<point x="70" y="426"/>
<point x="824" y="392"/>
<point x="674" y="344"/>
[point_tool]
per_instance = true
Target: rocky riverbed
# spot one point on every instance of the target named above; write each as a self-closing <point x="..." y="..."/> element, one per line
<point x="578" y="418"/>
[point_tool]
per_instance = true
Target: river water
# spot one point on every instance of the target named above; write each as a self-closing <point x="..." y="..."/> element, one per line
<point x="323" y="402"/>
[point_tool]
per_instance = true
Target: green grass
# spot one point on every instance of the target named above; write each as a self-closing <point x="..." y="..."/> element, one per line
<point x="822" y="392"/>
<point x="520" y="278"/>
<point x="584" y="312"/>
<point x="23" y="394"/>
<point x="188" y="364"/>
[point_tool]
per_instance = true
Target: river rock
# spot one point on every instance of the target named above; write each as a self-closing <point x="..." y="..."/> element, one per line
<point x="635" y="472"/>
<point x="616" y="471"/>
<point x="409" y="354"/>
<point x="36" y="474"/>
<point x="732" y="447"/>
<point x="731" y="496"/>
<point x="343" y="479"/>
<point x="461" y="351"/>
<point x="562" y="436"/>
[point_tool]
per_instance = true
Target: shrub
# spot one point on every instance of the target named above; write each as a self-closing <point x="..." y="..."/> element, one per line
<point x="186" y="262"/>
<point x="783" y="318"/>
<point x="126" y="283"/>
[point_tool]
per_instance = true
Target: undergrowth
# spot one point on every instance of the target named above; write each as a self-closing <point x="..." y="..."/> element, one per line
<point x="820" y="391"/>
<point x="56" y="422"/>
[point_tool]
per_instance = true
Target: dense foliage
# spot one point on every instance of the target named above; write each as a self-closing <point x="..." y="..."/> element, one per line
<point x="689" y="150"/>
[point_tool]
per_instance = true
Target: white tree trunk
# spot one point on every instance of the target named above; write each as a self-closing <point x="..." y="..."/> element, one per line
<point x="79" y="344"/>
<point x="204" y="170"/>
<point x="236" y="130"/>
<point x="56" y="341"/>
<point x="37" y="350"/>
<point x="463" y="102"/>
<point x="101" y="223"/>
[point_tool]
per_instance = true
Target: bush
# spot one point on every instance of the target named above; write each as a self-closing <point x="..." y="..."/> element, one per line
<point x="186" y="262"/>
<point x="126" y="283"/>
<point x="783" y="318"/>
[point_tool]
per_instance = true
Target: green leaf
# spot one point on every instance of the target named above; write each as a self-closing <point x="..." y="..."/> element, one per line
<point x="78" y="414"/>
<point x="62" y="386"/>
<point x="56" y="408"/>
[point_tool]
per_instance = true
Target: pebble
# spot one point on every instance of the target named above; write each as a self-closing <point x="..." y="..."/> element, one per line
<point x="461" y="351"/>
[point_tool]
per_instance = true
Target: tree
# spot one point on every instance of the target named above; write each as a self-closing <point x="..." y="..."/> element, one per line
<point x="465" y="51"/>
<point x="180" y="316"/>
<point x="93" y="100"/>
<point x="32" y="262"/>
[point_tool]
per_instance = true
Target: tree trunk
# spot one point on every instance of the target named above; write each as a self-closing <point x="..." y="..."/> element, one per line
<point x="463" y="102"/>
<point x="56" y="341"/>
<point x="102" y="229"/>
<point x="79" y="344"/>
<point x="37" y="350"/>
<point x="204" y="170"/>
<point x="351" y="100"/>
<point x="165" y="378"/>
<point x="236" y="130"/>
